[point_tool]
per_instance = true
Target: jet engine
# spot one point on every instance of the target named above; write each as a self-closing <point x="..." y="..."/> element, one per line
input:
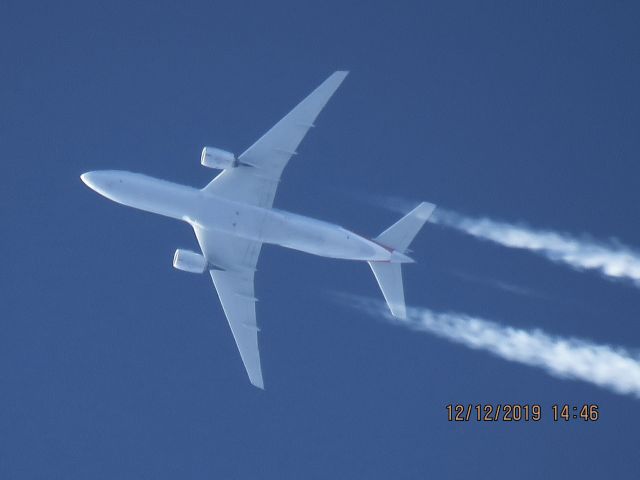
<point x="217" y="158"/>
<point x="189" y="261"/>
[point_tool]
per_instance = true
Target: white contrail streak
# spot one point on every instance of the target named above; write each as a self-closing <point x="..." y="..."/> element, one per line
<point x="606" y="366"/>
<point x="611" y="259"/>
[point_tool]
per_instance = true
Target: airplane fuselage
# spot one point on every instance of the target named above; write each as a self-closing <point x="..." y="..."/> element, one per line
<point x="233" y="215"/>
<point x="211" y="212"/>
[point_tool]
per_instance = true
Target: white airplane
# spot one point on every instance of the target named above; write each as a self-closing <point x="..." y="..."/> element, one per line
<point x="233" y="216"/>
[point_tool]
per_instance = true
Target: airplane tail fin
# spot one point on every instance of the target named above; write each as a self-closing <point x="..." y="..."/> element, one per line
<point x="389" y="277"/>
<point x="398" y="237"/>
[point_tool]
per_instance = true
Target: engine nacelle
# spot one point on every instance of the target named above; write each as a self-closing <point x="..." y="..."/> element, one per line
<point x="189" y="261"/>
<point x="217" y="158"/>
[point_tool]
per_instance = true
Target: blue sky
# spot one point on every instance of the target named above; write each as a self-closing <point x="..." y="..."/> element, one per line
<point x="114" y="365"/>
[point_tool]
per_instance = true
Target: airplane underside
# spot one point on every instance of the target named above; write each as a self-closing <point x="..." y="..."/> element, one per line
<point x="233" y="216"/>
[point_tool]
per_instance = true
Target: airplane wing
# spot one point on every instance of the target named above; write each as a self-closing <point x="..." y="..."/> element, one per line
<point x="235" y="260"/>
<point x="255" y="179"/>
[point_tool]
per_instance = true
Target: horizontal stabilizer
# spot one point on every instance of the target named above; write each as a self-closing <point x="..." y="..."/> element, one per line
<point x="400" y="235"/>
<point x="389" y="277"/>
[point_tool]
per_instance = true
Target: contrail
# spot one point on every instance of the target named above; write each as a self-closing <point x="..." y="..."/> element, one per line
<point x="611" y="259"/>
<point x="395" y="204"/>
<point x="500" y="285"/>
<point x="606" y="366"/>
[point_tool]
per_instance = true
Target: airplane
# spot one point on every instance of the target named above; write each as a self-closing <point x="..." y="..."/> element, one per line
<point x="233" y="216"/>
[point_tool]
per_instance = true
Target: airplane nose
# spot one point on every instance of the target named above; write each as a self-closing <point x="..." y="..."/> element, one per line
<point x="100" y="181"/>
<point x="86" y="178"/>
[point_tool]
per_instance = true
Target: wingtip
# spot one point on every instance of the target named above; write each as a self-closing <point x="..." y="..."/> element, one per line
<point x="399" y="313"/>
<point x="424" y="210"/>
<point x="259" y="385"/>
<point x="340" y="74"/>
<point x="257" y="380"/>
<point x="427" y="205"/>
